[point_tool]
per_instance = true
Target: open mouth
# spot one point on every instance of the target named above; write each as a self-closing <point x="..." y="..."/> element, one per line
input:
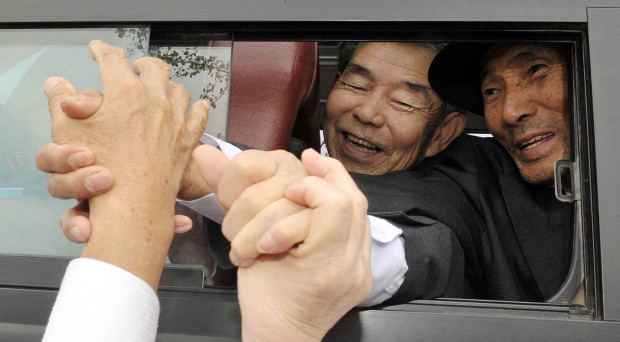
<point x="535" y="141"/>
<point x="361" y="144"/>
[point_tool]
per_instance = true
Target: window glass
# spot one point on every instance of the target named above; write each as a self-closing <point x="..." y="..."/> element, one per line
<point x="28" y="214"/>
<point x="205" y="70"/>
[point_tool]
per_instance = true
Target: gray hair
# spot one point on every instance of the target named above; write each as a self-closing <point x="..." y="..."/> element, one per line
<point x="347" y="49"/>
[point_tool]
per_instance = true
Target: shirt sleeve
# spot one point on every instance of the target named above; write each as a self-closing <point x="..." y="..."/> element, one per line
<point x="227" y="148"/>
<point x="387" y="261"/>
<point x="208" y="206"/>
<point x="98" y="301"/>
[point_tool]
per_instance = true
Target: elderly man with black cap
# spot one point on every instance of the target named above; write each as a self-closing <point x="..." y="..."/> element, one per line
<point x="526" y="245"/>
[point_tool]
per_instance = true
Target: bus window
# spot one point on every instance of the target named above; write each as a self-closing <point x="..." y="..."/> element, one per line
<point x="206" y="68"/>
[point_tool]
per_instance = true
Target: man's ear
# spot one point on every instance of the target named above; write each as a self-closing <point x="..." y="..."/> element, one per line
<point x="451" y="127"/>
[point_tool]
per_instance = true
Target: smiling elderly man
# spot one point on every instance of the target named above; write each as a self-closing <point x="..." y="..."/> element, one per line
<point x="381" y="114"/>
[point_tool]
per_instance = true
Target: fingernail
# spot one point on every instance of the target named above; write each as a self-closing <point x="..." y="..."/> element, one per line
<point x="50" y="83"/>
<point x="184" y="228"/>
<point x="206" y="103"/>
<point x="266" y="243"/>
<point x="75" y="98"/>
<point x="76" y="235"/>
<point x="79" y="160"/>
<point x="97" y="182"/>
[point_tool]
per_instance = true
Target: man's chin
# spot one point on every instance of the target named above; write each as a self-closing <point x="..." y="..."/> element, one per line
<point x="538" y="178"/>
<point x="367" y="169"/>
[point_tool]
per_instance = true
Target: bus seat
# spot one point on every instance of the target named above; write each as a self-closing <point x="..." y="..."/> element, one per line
<point x="273" y="86"/>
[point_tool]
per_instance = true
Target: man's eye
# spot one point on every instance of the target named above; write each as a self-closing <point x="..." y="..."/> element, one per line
<point x="351" y="85"/>
<point x="488" y="92"/>
<point x="535" y="68"/>
<point x="404" y="105"/>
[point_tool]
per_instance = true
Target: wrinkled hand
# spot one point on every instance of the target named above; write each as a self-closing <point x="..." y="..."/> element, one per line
<point x="245" y="186"/>
<point x="326" y="273"/>
<point x="75" y="175"/>
<point x="139" y="133"/>
<point x="302" y="242"/>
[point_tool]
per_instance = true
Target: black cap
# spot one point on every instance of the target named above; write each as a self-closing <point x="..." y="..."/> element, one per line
<point x="454" y="74"/>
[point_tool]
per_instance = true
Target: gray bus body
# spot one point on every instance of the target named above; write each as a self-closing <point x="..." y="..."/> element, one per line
<point x="29" y="284"/>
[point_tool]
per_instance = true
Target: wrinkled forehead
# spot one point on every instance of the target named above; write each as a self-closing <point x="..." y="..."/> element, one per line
<point x="401" y="63"/>
<point x="506" y="55"/>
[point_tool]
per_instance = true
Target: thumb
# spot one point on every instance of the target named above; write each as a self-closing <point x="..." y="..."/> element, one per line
<point x="327" y="168"/>
<point x="56" y="88"/>
<point x="211" y="162"/>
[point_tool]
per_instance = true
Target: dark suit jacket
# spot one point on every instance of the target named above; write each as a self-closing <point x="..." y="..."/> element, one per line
<point x="516" y="239"/>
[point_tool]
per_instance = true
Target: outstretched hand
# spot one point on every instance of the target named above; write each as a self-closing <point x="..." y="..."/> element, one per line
<point x="74" y="173"/>
<point x="325" y="273"/>
<point x="247" y="188"/>
<point x="299" y="233"/>
<point x="140" y="133"/>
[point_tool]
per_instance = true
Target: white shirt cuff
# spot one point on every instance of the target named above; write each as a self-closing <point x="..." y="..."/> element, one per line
<point x="208" y="206"/>
<point x="388" y="264"/>
<point x="227" y="148"/>
<point x="98" y="301"/>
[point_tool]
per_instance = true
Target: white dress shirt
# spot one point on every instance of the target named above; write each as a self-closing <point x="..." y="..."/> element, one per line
<point x="101" y="302"/>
